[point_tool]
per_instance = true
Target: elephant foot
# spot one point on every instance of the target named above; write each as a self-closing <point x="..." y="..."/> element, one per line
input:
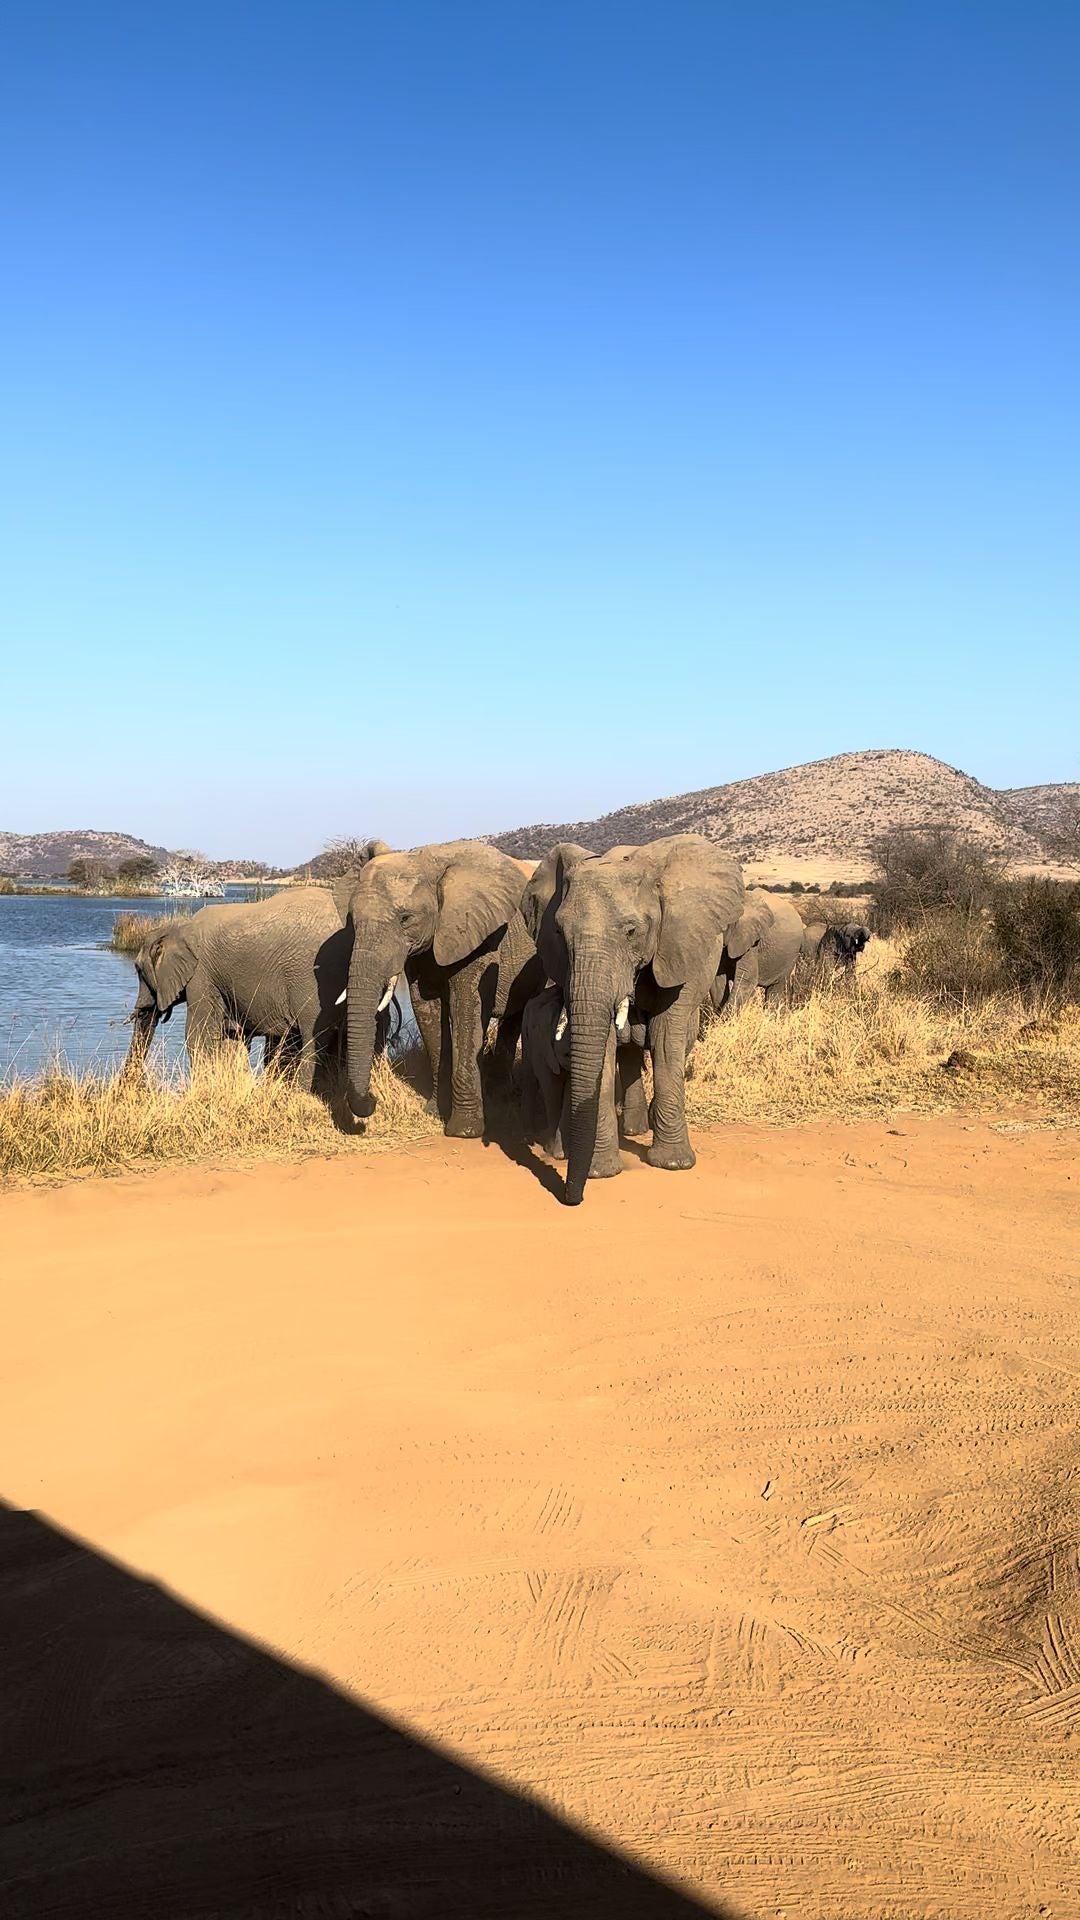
<point x="605" y="1166"/>
<point x="635" y="1116"/>
<point x="465" y="1126"/>
<point x="556" y="1149"/>
<point x="431" y="1106"/>
<point x="676" y="1158"/>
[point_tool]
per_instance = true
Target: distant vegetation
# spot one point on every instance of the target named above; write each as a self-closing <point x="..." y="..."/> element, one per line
<point x="970" y="931"/>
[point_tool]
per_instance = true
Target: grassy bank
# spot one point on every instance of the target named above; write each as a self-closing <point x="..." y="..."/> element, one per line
<point x="132" y="930"/>
<point x="62" y="1125"/>
<point x="875" y="1048"/>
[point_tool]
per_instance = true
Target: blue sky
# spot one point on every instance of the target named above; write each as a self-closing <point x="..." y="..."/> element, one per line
<point x="422" y="418"/>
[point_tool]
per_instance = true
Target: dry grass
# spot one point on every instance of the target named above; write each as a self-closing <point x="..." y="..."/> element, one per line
<point x="875" y="1048"/>
<point x="871" y="1048"/>
<point x="131" y="931"/>
<point x="62" y="1125"/>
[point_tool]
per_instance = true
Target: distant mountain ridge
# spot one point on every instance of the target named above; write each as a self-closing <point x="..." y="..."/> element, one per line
<point x="46" y="855"/>
<point x="831" y="809"/>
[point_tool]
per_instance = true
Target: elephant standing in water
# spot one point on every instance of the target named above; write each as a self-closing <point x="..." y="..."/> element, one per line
<point x="448" y="918"/>
<point x="273" y="968"/>
<point x="642" y="929"/>
<point x="761" y="951"/>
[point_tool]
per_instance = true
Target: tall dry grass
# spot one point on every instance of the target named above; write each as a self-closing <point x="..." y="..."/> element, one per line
<point x="130" y="931"/>
<point x="62" y="1125"/>
<point x="873" y="1047"/>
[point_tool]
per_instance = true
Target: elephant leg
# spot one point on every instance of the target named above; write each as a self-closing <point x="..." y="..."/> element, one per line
<point x="635" y="1110"/>
<point x="605" y="1161"/>
<point x="553" y="1093"/>
<point x="745" y="984"/>
<point x="530" y="1097"/>
<point x="466" y="1121"/>
<point x="205" y="1027"/>
<point x="307" y="1052"/>
<point x="562" y="1131"/>
<point x="776" y="994"/>
<point x="430" y="1011"/>
<point x="273" y="1048"/>
<point x="670" y="1147"/>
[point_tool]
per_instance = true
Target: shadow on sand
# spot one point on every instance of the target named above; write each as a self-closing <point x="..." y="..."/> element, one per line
<point x="157" y="1766"/>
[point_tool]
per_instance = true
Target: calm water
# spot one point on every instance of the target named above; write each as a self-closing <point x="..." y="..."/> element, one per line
<point x="61" y="995"/>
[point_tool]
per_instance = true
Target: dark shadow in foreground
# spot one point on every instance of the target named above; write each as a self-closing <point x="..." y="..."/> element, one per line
<point x="155" y="1763"/>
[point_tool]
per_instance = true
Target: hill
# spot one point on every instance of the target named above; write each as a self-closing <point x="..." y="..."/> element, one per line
<point x="829" y="810"/>
<point x="1050" y="813"/>
<point x="45" y="856"/>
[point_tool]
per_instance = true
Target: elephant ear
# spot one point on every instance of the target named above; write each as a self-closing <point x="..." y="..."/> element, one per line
<point x="480" y="889"/>
<point x="701" y="899"/>
<point x="548" y="882"/>
<point x="174" y="958"/>
<point x="752" y="925"/>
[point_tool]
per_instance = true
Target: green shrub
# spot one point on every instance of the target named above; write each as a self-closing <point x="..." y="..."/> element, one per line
<point x="952" y="957"/>
<point x="1037" y="928"/>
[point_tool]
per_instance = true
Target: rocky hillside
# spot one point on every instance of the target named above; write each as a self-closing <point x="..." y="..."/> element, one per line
<point x="45" y="856"/>
<point x="1051" y="813"/>
<point x="828" y="809"/>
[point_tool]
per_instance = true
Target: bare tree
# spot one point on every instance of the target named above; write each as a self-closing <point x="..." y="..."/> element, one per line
<point x="343" y="855"/>
<point x="191" y="876"/>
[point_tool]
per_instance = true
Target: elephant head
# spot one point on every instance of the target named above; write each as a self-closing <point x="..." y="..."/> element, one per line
<point x="541" y="900"/>
<point x="164" y="964"/>
<point x="752" y="925"/>
<point x="841" y="946"/>
<point x="450" y="899"/>
<point x="667" y="907"/>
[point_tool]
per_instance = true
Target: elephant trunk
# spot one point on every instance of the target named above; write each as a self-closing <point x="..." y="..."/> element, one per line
<point x="144" y="1026"/>
<point x="592" y="1001"/>
<point x="376" y="962"/>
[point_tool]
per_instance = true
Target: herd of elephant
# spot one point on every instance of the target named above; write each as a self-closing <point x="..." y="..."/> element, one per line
<point x="588" y="959"/>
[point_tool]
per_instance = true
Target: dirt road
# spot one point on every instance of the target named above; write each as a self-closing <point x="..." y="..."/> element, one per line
<point x="735" y="1515"/>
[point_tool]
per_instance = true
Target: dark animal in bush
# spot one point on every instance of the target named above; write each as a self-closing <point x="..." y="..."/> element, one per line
<point x="832" y="950"/>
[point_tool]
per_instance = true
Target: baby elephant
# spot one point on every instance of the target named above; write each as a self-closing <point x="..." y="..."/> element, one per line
<point x="834" y="950"/>
<point x="545" y="1071"/>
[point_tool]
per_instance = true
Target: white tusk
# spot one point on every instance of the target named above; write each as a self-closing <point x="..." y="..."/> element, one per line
<point x="389" y="994"/>
<point x="561" y="1024"/>
<point x="622" y="1012"/>
<point x="340" y="1001"/>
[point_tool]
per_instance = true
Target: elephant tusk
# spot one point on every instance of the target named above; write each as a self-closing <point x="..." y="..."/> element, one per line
<point x="389" y="994"/>
<point x="342" y="997"/>
<point x="622" y="1013"/>
<point x="561" y="1024"/>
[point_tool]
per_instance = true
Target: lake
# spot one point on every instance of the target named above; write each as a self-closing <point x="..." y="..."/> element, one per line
<point x="61" y="995"/>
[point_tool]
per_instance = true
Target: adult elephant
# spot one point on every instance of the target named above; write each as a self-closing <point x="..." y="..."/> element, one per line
<point x="548" y="1062"/>
<point x="448" y="917"/>
<point x="643" y="928"/>
<point x="761" y="951"/>
<point x="273" y="968"/>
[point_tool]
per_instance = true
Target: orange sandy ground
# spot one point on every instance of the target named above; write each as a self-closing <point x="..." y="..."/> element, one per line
<point x="736" y="1514"/>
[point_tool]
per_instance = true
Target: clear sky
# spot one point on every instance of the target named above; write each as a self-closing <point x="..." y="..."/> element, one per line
<point x="426" y="416"/>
